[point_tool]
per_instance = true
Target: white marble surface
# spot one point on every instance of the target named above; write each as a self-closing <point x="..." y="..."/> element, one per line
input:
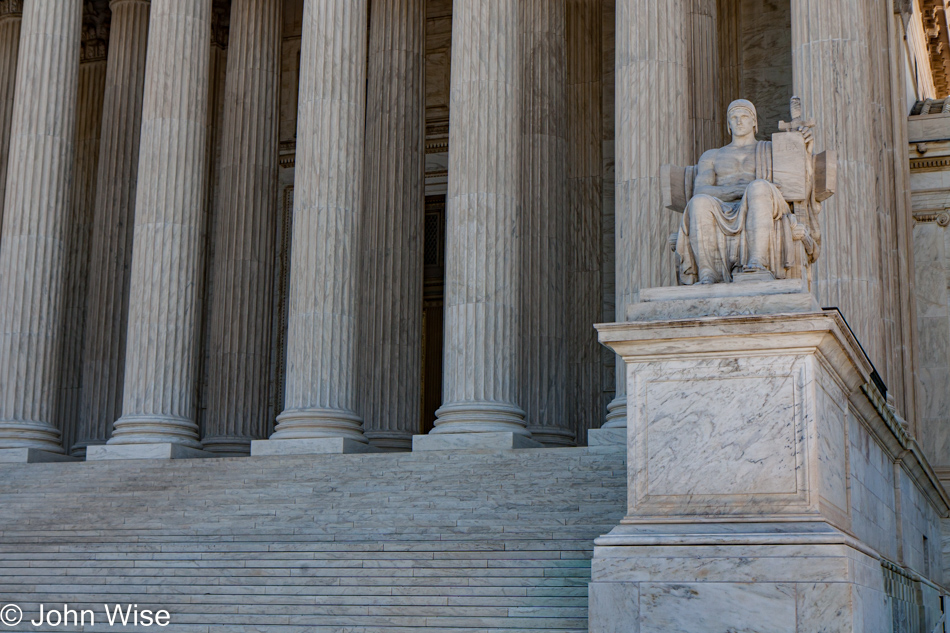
<point x="35" y="228"/>
<point x="482" y="376"/>
<point x="722" y="427"/>
<point x="692" y="308"/>
<point x="241" y="308"/>
<point x="479" y="441"/>
<point x="544" y="223"/>
<point x="310" y="446"/>
<point x="392" y="243"/>
<point x="107" y="299"/>
<point x="157" y="450"/>
<point x="321" y="372"/>
<point x="31" y="456"/>
<point x="158" y="402"/>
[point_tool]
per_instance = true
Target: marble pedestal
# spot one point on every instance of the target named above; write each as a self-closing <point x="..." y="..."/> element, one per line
<point x="31" y="456"/>
<point x="739" y="512"/>
<point x="158" y="450"/>
<point x="310" y="446"/>
<point x="490" y="441"/>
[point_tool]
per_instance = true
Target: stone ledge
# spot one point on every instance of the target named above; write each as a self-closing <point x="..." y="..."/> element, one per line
<point x="494" y="441"/>
<point x="166" y="450"/>
<point x="32" y="456"/>
<point x="310" y="446"/>
<point x="611" y="437"/>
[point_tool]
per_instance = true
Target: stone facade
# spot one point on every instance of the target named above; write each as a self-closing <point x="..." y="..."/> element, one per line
<point x="271" y="227"/>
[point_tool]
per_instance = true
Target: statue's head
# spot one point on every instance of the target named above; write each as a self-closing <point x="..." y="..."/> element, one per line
<point x="741" y="116"/>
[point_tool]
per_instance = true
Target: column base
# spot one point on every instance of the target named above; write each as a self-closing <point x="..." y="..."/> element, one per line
<point x="616" y="413"/>
<point x="479" y="417"/>
<point x="227" y="446"/>
<point x="79" y="449"/>
<point x="315" y="424"/>
<point x="162" y="450"/>
<point x="496" y="441"/>
<point x="154" y="429"/>
<point x="616" y="436"/>
<point x="552" y="438"/>
<point x="388" y="441"/>
<point x="32" y="456"/>
<point x="310" y="446"/>
<point x="41" y="436"/>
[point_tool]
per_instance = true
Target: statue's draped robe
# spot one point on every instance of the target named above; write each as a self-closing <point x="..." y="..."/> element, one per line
<point x="725" y="237"/>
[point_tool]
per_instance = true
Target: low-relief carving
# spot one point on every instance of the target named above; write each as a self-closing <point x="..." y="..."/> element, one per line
<point x="750" y="208"/>
<point x="10" y="7"/>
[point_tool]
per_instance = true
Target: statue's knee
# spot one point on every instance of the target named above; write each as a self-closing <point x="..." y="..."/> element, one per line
<point x="760" y="189"/>
<point x="702" y="206"/>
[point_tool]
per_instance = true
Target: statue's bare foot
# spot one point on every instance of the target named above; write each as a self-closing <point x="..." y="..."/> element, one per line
<point x="706" y="280"/>
<point x="754" y="267"/>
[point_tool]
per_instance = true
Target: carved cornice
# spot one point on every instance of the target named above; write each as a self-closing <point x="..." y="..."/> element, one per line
<point x="220" y="23"/>
<point x="9" y="8"/>
<point x="934" y="20"/>
<point x="940" y="217"/>
<point x="937" y="163"/>
<point x="96" y="19"/>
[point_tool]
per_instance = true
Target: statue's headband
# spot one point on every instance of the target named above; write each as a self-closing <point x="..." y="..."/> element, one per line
<point x="742" y="104"/>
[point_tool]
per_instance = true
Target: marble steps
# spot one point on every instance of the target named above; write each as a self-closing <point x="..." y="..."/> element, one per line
<point x="358" y="544"/>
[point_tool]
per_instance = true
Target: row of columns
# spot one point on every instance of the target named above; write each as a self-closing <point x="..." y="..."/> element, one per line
<point x="508" y="202"/>
<point x="507" y="272"/>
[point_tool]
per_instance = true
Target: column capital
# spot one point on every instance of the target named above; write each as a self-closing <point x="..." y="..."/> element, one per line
<point x="11" y="8"/>
<point x="220" y="23"/>
<point x="96" y="19"/>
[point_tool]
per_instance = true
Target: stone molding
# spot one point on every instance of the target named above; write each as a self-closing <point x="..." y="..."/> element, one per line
<point x="934" y="22"/>
<point x="940" y="217"/>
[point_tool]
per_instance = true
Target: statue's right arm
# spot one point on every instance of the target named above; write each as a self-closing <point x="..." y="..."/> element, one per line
<point x="705" y="183"/>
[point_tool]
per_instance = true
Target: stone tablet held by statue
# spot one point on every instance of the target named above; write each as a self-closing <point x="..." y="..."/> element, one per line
<point x="750" y="209"/>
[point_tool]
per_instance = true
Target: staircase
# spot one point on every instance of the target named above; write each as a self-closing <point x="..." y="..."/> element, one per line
<point x="456" y="542"/>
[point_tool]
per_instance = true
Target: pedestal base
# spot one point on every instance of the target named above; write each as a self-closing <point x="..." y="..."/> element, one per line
<point x="31" y="456"/>
<point x="166" y="450"/>
<point x="607" y="437"/>
<point x="310" y="446"/>
<point x="500" y="441"/>
<point x="793" y="578"/>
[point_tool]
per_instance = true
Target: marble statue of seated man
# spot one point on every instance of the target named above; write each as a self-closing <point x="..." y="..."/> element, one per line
<point x="737" y="219"/>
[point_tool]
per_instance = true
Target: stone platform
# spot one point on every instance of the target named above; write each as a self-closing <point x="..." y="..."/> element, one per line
<point x="770" y="488"/>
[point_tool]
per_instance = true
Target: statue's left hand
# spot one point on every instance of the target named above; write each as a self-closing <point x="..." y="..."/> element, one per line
<point x="799" y="231"/>
<point x="809" y="136"/>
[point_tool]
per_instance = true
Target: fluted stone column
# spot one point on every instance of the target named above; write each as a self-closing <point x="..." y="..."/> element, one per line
<point x="652" y="129"/>
<point x="703" y="59"/>
<point x="394" y="209"/>
<point x="320" y="395"/>
<point x="159" y="388"/>
<point x="92" y="83"/>
<point x="103" y="358"/>
<point x="481" y="371"/>
<point x="585" y="210"/>
<point x="544" y="223"/>
<point x="217" y="77"/>
<point x="11" y="15"/>
<point x="244" y="253"/>
<point x="831" y="73"/>
<point x="32" y="243"/>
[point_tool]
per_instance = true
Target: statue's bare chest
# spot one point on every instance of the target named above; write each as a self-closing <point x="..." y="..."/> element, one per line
<point x="735" y="163"/>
